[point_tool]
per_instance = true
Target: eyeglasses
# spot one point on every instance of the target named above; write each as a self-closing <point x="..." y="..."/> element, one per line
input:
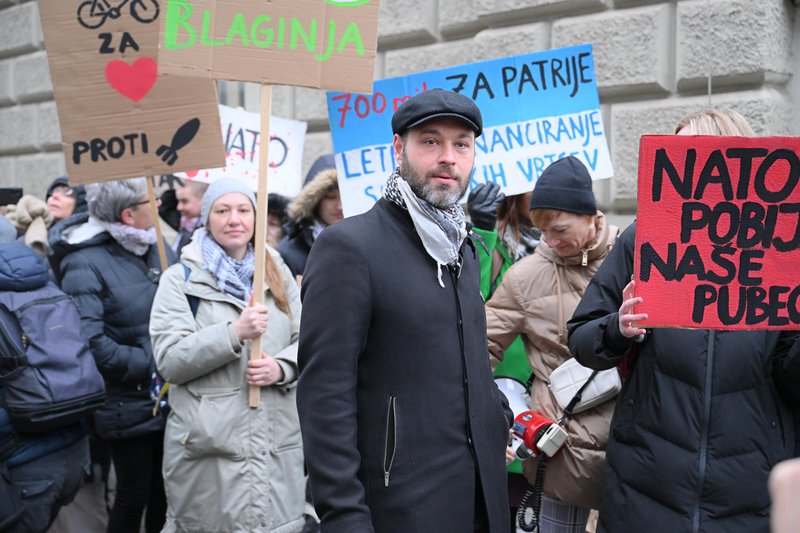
<point x="137" y="204"/>
<point x="63" y="191"/>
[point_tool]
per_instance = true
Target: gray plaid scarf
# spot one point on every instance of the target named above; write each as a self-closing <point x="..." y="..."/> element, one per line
<point x="234" y="277"/>
<point x="442" y="230"/>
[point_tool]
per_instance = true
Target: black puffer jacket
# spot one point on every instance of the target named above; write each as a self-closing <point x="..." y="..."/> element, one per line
<point x="699" y="423"/>
<point x="114" y="290"/>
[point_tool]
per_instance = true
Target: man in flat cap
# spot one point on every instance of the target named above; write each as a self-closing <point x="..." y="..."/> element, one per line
<point x="403" y="426"/>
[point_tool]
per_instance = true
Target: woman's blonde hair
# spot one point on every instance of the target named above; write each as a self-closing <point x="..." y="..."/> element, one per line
<point x="508" y="216"/>
<point x="276" y="284"/>
<point x="722" y="121"/>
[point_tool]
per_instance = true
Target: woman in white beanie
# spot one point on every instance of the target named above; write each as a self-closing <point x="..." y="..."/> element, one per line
<point x="228" y="467"/>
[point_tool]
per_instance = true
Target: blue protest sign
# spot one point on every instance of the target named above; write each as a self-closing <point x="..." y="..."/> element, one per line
<point x="537" y="108"/>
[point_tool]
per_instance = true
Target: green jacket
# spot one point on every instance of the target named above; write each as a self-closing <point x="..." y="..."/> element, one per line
<point x="515" y="361"/>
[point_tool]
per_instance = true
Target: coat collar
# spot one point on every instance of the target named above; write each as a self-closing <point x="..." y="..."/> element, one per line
<point x="601" y="245"/>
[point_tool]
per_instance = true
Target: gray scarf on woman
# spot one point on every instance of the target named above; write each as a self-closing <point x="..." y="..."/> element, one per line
<point x="136" y="241"/>
<point x="442" y="230"/>
<point x="234" y="277"/>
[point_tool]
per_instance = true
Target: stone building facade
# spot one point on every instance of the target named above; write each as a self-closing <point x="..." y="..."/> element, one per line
<point x="653" y="60"/>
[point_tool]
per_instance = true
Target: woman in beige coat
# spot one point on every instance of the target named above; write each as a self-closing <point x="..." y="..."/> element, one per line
<point x="536" y="298"/>
<point x="228" y="467"/>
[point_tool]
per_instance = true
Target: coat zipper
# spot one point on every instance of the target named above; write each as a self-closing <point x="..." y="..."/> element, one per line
<point x="43" y="301"/>
<point x="391" y="425"/>
<point x="460" y="325"/>
<point x="706" y="422"/>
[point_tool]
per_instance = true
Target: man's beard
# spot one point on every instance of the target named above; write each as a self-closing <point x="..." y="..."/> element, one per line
<point x="439" y="196"/>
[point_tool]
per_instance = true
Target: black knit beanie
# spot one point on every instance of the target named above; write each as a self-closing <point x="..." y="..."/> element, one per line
<point x="565" y="185"/>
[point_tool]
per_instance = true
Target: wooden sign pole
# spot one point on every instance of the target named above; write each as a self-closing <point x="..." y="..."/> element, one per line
<point x="151" y="195"/>
<point x="261" y="227"/>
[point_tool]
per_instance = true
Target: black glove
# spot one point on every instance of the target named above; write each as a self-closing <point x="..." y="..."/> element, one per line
<point x="482" y="204"/>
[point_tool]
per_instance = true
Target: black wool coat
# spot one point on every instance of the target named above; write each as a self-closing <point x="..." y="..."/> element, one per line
<point x="699" y="422"/>
<point x="399" y="413"/>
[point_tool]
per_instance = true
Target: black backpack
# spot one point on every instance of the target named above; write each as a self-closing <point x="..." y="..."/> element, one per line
<point x="48" y="373"/>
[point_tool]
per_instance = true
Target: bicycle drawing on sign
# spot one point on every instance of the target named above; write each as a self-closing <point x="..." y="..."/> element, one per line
<point x="93" y="13"/>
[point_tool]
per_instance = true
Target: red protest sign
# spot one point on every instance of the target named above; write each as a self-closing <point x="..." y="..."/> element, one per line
<point x="718" y="232"/>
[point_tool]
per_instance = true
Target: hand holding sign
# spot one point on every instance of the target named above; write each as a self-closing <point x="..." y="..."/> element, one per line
<point x="252" y="323"/>
<point x="263" y="372"/>
<point x="627" y="318"/>
<point x="718" y="231"/>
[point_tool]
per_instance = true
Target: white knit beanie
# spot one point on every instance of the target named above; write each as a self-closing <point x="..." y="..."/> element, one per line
<point x="221" y="187"/>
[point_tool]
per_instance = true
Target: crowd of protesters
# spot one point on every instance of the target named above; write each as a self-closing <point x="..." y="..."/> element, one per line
<point x="378" y="411"/>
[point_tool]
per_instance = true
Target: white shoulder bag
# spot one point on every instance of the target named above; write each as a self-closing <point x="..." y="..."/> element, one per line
<point x="594" y="386"/>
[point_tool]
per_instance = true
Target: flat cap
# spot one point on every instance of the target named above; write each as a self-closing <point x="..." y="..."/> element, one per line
<point x="437" y="103"/>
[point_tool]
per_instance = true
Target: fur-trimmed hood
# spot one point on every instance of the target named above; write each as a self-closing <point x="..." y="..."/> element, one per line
<point x="302" y="207"/>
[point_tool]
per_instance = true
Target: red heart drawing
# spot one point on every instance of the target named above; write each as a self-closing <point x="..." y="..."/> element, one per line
<point x="132" y="81"/>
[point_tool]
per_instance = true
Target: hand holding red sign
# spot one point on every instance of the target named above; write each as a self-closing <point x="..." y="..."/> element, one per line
<point x="718" y="232"/>
<point x="627" y="317"/>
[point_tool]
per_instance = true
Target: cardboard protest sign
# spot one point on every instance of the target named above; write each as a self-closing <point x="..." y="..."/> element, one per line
<point x="241" y="132"/>
<point x="328" y="44"/>
<point x="718" y="232"/>
<point x="537" y="108"/>
<point x="120" y="116"/>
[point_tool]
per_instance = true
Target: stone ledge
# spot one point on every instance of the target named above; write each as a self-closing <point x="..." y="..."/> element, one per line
<point x="18" y="129"/>
<point x="500" y="12"/>
<point x="458" y="19"/>
<point x="7" y="175"/>
<point x="406" y="23"/>
<point x="767" y="110"/>
<point x="6" y="83"/>
<point x="48" y="128"/>
<point x="20" y="30"/>
<point x="39" y="170"/>
<point x="424" y="58"/>
<point x="735" y="55"/>
<point x="488" y="44"/>
<point x="504" y="42"/>
<point x="32" y="78"/>
<point x="628" y="47"/>
<point x="636" y="3"/>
